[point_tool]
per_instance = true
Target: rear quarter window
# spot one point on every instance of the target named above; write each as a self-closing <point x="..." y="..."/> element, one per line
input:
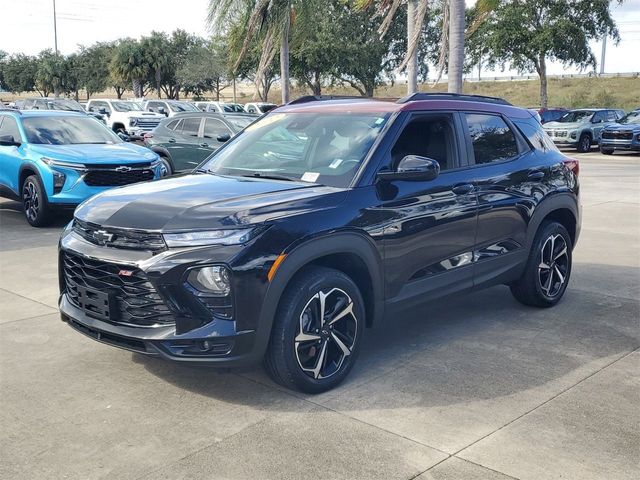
<point x="536" y="135"/>
<point x="491" y="137"/>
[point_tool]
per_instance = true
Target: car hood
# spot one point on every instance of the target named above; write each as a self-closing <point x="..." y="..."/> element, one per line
<point x="119" y="153"/>
<point x="204" y="201"/>
<point x="141" y="114"/>
<point x="634" y="127"/>
<point x="563" y="125"/>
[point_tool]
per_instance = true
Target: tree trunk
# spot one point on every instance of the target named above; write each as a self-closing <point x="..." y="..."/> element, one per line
<point x="284" y="59"/>
<point x="542" y="73"/>
<point x="137" y="87"/>
<point x="56" y="92"/>
<point x="456" y="45"/>
<point x="158" y="78"/>
<point x="412" y="65"/>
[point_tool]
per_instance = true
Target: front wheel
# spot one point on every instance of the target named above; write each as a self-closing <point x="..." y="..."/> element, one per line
<point x="34" y="202"/>
<point x="606" y="151"/>
<point x="165" y="167"/>
<point x="317" y="331"/>
<point x="584" y="144"/>
<point x="548" y="269"/>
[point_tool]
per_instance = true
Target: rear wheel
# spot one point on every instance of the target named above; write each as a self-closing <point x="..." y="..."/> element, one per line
<point x="317" y="331"/>
<point x="34" y="202"/>
<point x="548" y="269"/>
<point x="584" y="144"/>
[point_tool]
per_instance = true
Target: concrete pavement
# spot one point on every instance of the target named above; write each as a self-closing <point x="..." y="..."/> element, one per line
<point x="479" y="388"/>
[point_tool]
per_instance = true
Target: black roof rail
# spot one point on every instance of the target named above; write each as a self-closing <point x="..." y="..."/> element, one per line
<point x="10" y="109"/>
<point x="452" y="96"/>
<point x="320" y="98"/>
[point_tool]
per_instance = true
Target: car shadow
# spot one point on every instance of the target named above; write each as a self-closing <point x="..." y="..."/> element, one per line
<point x="478" y="347"/>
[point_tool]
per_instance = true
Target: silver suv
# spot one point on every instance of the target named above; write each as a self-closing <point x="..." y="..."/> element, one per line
<point x="581" y="128"/>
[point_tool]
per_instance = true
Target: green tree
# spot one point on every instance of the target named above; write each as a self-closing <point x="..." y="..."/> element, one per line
<point x="205" y="68"/>
<point x="157" y="51"/>
<point x="527" y="35"/>
<point x="129" y="64"/>
<point x="72" y="80"/>
<point x="50" y="76"/>
<point x="3" y="57"/>
<point x="94" y="67"/>
<point x="19" y="73"/>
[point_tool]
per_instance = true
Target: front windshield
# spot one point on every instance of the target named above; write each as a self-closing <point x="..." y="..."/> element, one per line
<point x="323" y="148"/>
<point x="126" y="106"/>
<point x="182" y="107"/>
<point x="631" y="117"/>
<point x="64" y="104"/>
<point x="71" y="130"/>
<point x="577" y="116"/>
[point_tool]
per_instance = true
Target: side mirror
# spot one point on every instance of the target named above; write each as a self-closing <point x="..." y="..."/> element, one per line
<point x="163" y="111"/>
<point x="223" y="137"/>
<point x="8" y="141"/>
<point x="102" y="110"/>
<point x="413" y="168"/>
<point x="124" y="136"/>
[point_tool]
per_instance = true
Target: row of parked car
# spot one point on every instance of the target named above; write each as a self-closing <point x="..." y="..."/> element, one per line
<point x="608" y="128"/>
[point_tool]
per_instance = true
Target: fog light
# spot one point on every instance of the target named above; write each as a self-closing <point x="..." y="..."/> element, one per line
<point x="58" y="181"/>
<point x="212" y="280"/>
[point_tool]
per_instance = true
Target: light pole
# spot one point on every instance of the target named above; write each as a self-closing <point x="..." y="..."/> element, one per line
<point x="55" y="28"/>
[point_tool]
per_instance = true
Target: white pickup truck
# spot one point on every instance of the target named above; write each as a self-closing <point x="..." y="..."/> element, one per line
<point x="125" y="116"/>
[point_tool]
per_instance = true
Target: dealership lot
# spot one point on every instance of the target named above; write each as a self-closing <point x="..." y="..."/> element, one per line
<point x="482" y="387"/>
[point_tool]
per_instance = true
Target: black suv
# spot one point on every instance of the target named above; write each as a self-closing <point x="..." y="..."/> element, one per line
<point x="324" y="217"/>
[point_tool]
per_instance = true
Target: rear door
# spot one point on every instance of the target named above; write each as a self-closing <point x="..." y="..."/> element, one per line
<point x="509" y="178"/>
<point x="11" y="158"/>
<point x="189" y="150"/>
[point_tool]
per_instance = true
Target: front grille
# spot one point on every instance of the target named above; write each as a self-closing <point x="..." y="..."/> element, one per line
<point x="147" y="123"/>
<point x="133" y="301"/>
<point x="118" y="238"/>
<point x="618" y="134"/>
<point x="97" y="177"/>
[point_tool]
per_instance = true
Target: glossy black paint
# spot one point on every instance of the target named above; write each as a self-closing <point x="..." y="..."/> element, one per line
<point x="403" y="242"/>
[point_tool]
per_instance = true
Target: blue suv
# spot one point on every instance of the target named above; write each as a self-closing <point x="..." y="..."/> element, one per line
<point x="51" y="160"/>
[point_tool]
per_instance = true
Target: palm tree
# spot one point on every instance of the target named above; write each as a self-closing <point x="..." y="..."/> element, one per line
<point x="156" y="50"/>
<point x="416" y="11"/>
<point x="456" y="45"/>
<point x="270" y="20"/>
<point x="129" y="63"/>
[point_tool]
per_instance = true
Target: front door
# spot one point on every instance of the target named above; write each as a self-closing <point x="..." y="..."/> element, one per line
<point x="11" y="157"/>
<point x="430" y="236"/>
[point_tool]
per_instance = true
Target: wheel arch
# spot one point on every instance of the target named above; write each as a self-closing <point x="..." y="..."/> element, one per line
<point x="115" y="126"/>
<point x="163" y="152"/>
<point x="561" y="208"/>
<point x="27" y="170"/>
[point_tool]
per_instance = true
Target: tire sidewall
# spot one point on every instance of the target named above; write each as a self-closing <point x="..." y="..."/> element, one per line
<point x="167" y="165"/>
<point x="548" y="230"/>
<point x="307" y="288"/>
<point x="43" y="210"/>
<point x="581" y="141"/>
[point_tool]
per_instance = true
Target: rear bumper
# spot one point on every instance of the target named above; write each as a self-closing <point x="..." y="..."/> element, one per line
<point x="216" y="344"/>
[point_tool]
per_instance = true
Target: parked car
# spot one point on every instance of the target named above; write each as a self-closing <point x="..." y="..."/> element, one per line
<point x="52" y="160"/>
<point x="261" y="253"/>
<point x="623" y="135"/>
<point x="184" y="142"/>
<point x="219" y="107"/>
<point x="169" y="108"/>
<point x="62" y="104"/>
<point x="259" y="108"/>
<point x="581" y="128"/>
<point x="551" y="114"/>
<point x="125" y="116"/>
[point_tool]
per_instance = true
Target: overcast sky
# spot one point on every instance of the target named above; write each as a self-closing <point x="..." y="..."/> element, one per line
<point x="26" y="26"/>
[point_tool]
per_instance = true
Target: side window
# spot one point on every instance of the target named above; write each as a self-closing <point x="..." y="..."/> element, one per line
<point x="491" y="137"/>
<point x="214" y="127"/>
<point x="537" y="136"/>
<point x="10" y="127"/>
<point x="96" y="106"/>
<point x="190" y="126"/>
<point x="173" y="125"/>
<point x="611" y="116"/>
<point x="153" y="106"/>
<point x="251" y="109"/>
<point x="431" y="136"/>
<point x="598" y="117"/>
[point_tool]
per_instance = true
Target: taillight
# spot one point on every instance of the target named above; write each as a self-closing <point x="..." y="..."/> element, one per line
<point x="573" y="165"/>
<point x="146" y="137"/>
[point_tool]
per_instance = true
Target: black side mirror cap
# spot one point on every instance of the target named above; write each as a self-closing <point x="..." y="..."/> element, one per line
<point x="412" y="168"/>
<point x="223" y="137"/>
<point x="8" y="141"/>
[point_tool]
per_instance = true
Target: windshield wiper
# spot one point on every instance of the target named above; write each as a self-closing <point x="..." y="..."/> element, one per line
<point x="269" y="176"/>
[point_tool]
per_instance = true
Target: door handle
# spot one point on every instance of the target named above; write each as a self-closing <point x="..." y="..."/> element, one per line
<point x="172" y="140"/>
<point x="463" y="189"/>
<point x="536" y="175"/>
<point x="204" y="144"/>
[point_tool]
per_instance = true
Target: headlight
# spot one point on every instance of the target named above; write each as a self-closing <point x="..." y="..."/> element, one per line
<point x="208" y="237"/>
<point x="133" y="122"/>
<point x="213" y="280"/>
<point x="58" y="163"/>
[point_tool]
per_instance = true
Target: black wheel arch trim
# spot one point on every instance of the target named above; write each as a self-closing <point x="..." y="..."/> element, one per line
<point x="559" y="201"/>
<point x="305" y="253"/>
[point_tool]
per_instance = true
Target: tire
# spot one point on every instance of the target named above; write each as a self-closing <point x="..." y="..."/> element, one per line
<point x="166" y="168"/>
<point x="545" y="280"/>
<point x="304" y="354"/>
<point x="34" y="202"/>
<point x="584" y="144"/>
<point x="606" y="151"/>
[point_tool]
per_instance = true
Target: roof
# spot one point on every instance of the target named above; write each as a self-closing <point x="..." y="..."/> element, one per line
<point x="44" y="113"/>
<point x="366" y="105"/>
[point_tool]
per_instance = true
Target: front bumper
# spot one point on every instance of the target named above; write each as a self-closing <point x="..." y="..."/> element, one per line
<point x="617" y="144"/>
<point x="196" y="335"/>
